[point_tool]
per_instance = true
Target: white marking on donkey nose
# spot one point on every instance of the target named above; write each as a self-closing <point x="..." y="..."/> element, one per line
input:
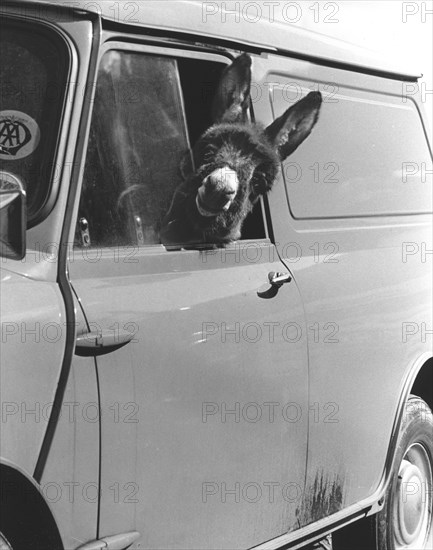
<point x="217" y="191"/>
<point x="223" y="180"/>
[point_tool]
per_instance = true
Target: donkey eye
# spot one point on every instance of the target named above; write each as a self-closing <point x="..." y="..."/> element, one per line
<point x="259" y="182"/>
<point x="208" y="156"/>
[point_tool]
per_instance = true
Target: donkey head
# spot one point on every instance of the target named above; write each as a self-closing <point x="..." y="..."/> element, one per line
<point x="235" y="162"/>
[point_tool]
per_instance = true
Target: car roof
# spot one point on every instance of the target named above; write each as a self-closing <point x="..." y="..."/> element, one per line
<point x="199" y="18"/>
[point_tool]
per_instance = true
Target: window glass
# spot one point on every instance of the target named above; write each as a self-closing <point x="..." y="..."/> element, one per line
<point x="33" y="72"/>
<point x="368" y="155"/>
<point x="137" y="139"/>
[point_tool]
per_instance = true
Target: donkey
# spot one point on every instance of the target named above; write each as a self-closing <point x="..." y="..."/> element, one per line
<point x="235" y="162"/>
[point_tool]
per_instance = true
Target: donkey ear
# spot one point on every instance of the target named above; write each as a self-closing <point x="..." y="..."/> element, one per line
<point x="233" y="94"/>
<point x="289" y="130"/>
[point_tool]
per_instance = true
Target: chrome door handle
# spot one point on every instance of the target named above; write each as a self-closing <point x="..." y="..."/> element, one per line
<point x="114" y="542"/>
<point x="278" y="279"/>
<point x="99" y="342"/>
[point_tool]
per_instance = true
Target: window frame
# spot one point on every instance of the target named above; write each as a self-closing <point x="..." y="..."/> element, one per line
<point x="59" y="39"/>
<point x="344" y="91"/>
<point x="133" y="44"/>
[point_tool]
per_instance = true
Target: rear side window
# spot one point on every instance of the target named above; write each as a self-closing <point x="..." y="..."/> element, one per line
<point x="33" y="73"/>
<point x="368" y="156"/>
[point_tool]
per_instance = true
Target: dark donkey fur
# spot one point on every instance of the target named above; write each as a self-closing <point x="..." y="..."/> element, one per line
<point x="235" y="162"/>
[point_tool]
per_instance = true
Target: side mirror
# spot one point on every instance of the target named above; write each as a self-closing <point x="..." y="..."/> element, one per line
<point x="13" y="219"/>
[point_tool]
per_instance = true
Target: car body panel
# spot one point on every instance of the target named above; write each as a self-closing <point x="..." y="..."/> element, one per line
<point x="32" y="299"/>
<point x="70" y="480"/>
<point x="33" y="340"/>
<point x="206" y="19"/>
<point x="364" y="294"/>
<point x="173" y="443"/>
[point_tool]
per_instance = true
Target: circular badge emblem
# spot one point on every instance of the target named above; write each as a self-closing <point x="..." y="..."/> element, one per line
<point x="19" y="135"/>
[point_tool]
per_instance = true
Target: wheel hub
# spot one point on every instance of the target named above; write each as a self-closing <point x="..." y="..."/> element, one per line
<point x="411" y="504"/>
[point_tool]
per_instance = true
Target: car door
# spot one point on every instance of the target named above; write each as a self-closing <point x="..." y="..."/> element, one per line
<point x="203" y="377"/>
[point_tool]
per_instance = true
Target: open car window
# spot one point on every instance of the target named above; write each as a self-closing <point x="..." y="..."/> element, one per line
<point x="148" y="110"/>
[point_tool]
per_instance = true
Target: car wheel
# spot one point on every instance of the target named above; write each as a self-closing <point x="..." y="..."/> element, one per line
<point x="405" y="521"/>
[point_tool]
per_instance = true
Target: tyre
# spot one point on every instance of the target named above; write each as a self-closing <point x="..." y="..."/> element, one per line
<point x="405" y="521"/>
<point x="26" y="522"/>
<point x="29" y="537"/>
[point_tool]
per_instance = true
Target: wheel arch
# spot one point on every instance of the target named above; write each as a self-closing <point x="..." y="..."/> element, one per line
<point x="26" y="517"/>
<point x="416" y="382"/>
<point x="423" y="383"/>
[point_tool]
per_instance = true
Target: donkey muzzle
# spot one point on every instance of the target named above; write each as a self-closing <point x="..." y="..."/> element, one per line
<point x="217" y="192"/>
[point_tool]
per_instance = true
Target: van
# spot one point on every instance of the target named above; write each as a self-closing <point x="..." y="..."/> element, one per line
<point x="262" y="393"/>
